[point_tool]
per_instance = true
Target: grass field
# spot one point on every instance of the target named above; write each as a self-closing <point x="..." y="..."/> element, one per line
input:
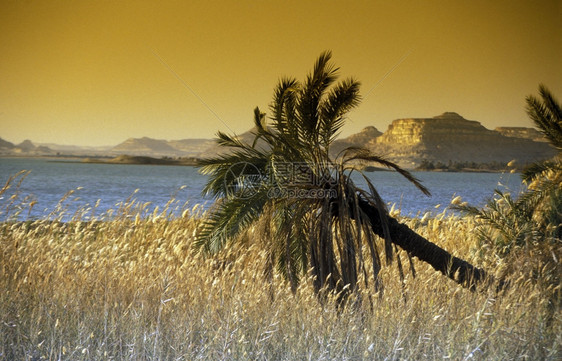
<point x="134" y="288"/>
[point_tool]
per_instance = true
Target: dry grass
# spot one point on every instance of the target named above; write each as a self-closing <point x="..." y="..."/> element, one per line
<point x="134" y="289"/>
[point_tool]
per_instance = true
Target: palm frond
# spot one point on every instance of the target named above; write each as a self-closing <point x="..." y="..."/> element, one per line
<point x="539" y="169"/>
<point x="314" y="88"/>
<point x="365" y="155"/>
<point x="228" y="218"/>
<point x="259" y="120"/>
<point x="290" y="249"/>
<point x="551" y="103"/>
<point x="510" y="219"/>
<point x="226" y="170"/>
<point x="262" y="131"/>
<point x="283" y="105"/>
<point x="543" y="190"/>
<point x="232" y="141"/>
<point x="546" y="114"/>
<point x="340" y="100"/>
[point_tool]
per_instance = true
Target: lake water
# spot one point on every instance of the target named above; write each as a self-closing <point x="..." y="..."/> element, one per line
<point x="107" y="185"/>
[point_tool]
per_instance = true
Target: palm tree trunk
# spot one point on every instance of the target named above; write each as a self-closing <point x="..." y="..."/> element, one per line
<point x="453" y="267"/>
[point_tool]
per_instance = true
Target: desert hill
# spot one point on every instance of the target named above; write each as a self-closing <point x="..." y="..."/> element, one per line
<point x="64" y="149"/>
<point x="360" y="139"/>
<point x="162" y="148"/>
<point x="246" y="137"/>
<point x="24" y="148"/>
<point x="446" y="138"/>
<point x="145" y="146"/>
<point x="451" y="138"/>
<point x="191" y="147"/>
<point x="4" y="144"/>
<point x="522" y="132"/>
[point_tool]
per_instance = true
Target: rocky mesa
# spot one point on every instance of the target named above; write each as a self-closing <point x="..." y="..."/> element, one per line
<point x="522" y="132"/>
<point x="451" y="138"/>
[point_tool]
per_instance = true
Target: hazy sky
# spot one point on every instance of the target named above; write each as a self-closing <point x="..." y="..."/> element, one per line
<point x="98" y="72"/>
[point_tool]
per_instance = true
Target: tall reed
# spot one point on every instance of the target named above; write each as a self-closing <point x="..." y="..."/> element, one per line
<point x="131" y="287"/>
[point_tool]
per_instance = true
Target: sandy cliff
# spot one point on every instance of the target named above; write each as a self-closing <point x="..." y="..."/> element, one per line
<point x="451" y="138"/>
<point x="522" y="132"/>
<point x="360" y="139"/>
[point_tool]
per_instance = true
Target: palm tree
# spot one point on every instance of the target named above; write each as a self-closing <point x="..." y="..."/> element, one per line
<point x="536" y="214"/>
<point x="318" y="218"/>
<point x="545" y="178"/>
<point x="526" y="232"/>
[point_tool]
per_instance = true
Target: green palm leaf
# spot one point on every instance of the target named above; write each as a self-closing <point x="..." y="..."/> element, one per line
<point x="546" y="113"/>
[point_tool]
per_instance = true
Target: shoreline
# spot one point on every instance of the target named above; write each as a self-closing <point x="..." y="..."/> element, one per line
<point x="143" y="160"/>
<point x="192" y="161"/>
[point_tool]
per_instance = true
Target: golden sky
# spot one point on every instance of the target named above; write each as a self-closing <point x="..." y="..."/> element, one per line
<point x="98" y="72"/>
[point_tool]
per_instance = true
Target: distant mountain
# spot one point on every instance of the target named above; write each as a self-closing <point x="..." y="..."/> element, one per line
<point x="522" y="132"/>
<point x="360" y="139"/>
<point x="409" y="142"/>
<point x="246" y="137"/>
<point x="24" y="148"/>
<point x="5" y="145"/>
<point x="444" y="138"/>
<point x="192" y="147"/>
<point x="451" y="138"/>
<point x="133" y="146"/>
<point x="76" y="149"/>
<point x="157" y="147"/>
<point x="145" y="146"/>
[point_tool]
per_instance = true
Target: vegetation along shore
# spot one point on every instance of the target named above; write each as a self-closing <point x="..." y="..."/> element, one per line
<point x="126" y="159"/>
<point x="136" y="288"/>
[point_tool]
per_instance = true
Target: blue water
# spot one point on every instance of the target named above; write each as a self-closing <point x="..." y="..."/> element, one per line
<point x="101" y="187"/>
